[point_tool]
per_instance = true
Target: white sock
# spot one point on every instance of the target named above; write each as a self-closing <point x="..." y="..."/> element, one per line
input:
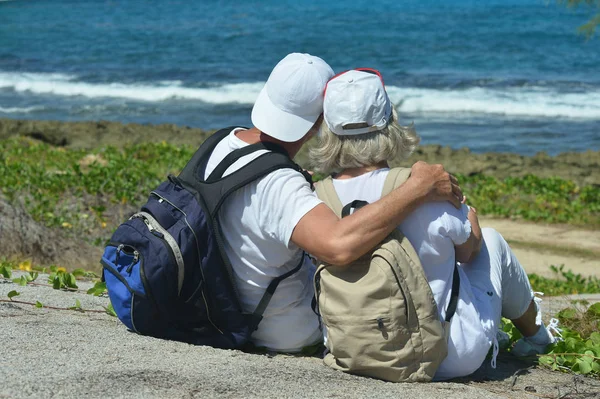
<point x="542" y="337"/>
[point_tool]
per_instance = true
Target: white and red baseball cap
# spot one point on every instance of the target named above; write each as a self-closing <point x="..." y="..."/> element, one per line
<point x="292" y="99"/>
<point x="356" y="103"/>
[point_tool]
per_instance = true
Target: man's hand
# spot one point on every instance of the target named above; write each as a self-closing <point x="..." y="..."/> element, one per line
<point x="435" y="183"/>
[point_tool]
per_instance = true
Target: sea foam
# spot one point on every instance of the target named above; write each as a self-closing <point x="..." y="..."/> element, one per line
<point x="515" y="102"/>
<point x="65" y="85"/>
<point x="19" y="110"/>
<point x="520" y="102"/>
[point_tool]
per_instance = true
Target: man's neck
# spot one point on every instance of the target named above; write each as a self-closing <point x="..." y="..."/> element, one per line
<point x="349" y="173"/>
<point x="254" y="135"/>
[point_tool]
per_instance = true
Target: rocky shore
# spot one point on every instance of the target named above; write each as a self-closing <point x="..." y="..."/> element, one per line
<point x="583" y="168"/>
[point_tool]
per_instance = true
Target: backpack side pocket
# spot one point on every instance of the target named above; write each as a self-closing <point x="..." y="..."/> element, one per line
<point x="123" y="280"/>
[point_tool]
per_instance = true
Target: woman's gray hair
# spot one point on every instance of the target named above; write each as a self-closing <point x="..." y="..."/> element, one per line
<point x="334" y="153"/>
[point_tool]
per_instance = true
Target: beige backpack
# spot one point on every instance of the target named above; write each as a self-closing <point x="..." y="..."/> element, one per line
<point x="381" y="318"/>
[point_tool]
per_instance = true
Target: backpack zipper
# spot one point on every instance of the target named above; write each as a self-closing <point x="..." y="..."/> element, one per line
<point x="173" y="249"/>
<point x="161" y="199"/>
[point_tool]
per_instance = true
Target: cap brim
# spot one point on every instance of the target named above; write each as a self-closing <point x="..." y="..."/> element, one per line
<point x="277" y="123"/>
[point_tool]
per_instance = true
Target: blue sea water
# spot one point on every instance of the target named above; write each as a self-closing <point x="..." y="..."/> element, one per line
<point x="494" y="75"/>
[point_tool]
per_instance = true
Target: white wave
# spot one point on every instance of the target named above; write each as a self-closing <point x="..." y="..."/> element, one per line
<point x="512" y="102"/>
<point x="17" y="110"/>
<point x="530" y="102"/>
<point x="64" y="85"/>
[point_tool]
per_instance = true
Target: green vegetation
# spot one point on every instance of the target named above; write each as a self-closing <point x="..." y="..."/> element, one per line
<point x="578" y="351"/>
<point x="58" y="278"/>
<point x="61" y="279"/>
<point x="84" y="192"/>
<point x="565" y="283"/>
<point x="593" y="6"/>
<point x="71" y="189"/>
<point x="551" y="200"/>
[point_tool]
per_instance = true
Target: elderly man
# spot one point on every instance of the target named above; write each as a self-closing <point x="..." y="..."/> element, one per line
<point x="270" y="224"/>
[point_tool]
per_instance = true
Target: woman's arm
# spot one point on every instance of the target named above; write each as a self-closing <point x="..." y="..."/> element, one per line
<point x="467" y="251"/>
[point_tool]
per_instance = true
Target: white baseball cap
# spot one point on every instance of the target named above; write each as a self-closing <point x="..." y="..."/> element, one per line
<point x="292" y="99"/>
<point x="356" y="103"/>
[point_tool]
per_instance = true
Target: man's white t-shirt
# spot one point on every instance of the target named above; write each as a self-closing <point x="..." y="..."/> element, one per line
<point x="257" y="222"/>
<point x="434" y="229"/>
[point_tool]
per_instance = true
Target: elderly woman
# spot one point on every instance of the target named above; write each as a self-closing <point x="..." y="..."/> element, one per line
<point x="360" y="135"/>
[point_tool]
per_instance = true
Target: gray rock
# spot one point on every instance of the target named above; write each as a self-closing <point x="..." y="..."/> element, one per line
<point x="68" y="354"/>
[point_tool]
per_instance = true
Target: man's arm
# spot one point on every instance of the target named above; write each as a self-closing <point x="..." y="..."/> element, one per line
<point x="321" y="233"/>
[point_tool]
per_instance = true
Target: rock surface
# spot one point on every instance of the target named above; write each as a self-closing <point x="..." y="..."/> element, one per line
<point x="22" y="237"/>
<point x="68" y="354"/>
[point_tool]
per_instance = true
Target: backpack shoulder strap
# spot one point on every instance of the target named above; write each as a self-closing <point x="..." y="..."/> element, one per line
<point x="326" y="192"/>
<point x="233" y="156"/>
<point x="194" y="168"/>
<point x="395" y="178"/>
<point x="213" y="191"/>
<point x="259" y="167"/>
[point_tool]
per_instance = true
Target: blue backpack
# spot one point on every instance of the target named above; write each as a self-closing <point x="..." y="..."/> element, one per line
<point x="165" y="268"/>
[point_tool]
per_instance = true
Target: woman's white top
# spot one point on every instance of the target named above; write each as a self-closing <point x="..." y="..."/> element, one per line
<point x="434" y="229"/>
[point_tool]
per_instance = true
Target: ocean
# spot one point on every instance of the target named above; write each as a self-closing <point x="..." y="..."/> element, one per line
<point x="494" y="75"/>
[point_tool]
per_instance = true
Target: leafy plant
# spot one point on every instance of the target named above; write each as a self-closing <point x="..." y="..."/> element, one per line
<point x="5" y="270"/>
<point x="98" y="289"/>
<point x="579" y="349"/>
<point x="77" y="306"/>
<point x="565" y="283"/>
<point x="110" y="310"/>
<point x="58" y="279"/>
<point x="26" y="278"/>
<point x="13" y="294"/>
<point x="533" y="198"/>
<point x="61" y="279"/>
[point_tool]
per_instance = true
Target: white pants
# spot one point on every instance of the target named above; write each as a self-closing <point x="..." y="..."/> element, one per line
<point x="499" y="283"/>
<point x="496" y="269"/>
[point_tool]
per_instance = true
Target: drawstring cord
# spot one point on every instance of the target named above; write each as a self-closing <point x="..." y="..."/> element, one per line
<point x="553" y="328"/>
<point x="496" y="350"/>
<point x="538" y="301"/>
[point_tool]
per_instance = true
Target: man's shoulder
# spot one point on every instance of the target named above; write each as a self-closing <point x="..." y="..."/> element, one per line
<point x="286" y="178"/>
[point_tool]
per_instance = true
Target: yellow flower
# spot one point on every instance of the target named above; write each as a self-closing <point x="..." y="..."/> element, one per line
<point x="61" y="269"/>
<point x="67" y="225"/>
<point x="103" y="224"/>
<point x="25" y="266"/>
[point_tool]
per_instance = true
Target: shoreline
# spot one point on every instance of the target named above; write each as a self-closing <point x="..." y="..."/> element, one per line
<point x="580" y="167"/>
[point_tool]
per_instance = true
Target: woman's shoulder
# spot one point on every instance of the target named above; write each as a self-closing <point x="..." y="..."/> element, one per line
<point x="437" y="216"/>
